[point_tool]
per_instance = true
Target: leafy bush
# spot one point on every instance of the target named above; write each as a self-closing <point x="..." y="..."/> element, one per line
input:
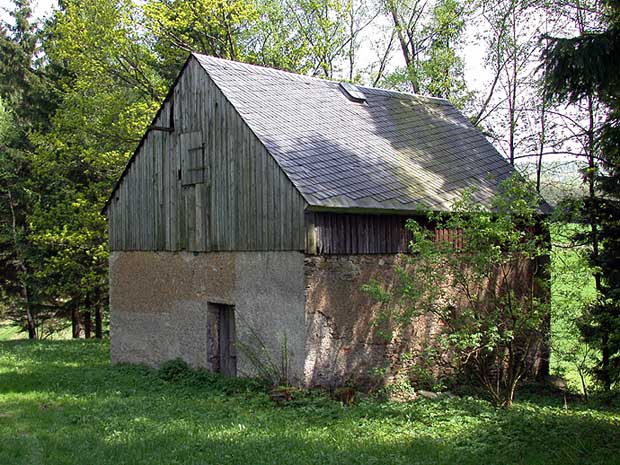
<point x="179" y="372"/>
<point x="488" y="286"/>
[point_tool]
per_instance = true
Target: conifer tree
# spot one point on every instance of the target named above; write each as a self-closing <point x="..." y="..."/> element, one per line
<point x="585" y="67"/>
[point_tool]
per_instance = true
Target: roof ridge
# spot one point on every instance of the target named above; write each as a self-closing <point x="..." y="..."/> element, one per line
<point x="267" y="70"/>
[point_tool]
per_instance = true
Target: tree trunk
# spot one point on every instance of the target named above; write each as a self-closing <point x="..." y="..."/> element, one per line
<point x="76" y="328"/>
<point x="408" y="53"/>
<point x="88" y="324"/>
<point x="542" y="141"/>
<point x="351" y="52"/>
<point x="543" y="125"/>
<point x="605" y="362"/>
<point x="32" y="327"/>
<point x="98" y="323"/>
<point x="584" y="386"/>
<point x="594" y="236"/>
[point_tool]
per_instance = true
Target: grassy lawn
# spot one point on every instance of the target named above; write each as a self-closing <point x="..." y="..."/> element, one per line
<point x="61" y="402"/>
<point x="9" y="331"/>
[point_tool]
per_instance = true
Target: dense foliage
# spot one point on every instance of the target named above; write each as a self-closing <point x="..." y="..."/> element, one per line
<point x="581" y="68"/>
<point x="488" y="286"/>
<point x="572" y="291"/>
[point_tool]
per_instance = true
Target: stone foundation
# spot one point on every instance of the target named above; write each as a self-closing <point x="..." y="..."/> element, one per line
<point x="159" y="311"/>
<point x="309" y="308"/>
<point x="343" y="340"/>
<point x="159" y="306"/>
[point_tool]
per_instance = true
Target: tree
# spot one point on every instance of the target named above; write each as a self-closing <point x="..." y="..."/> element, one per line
<point x="27" y="101"/>
<point x="407" y="20"/>
<point x="430" y="36"/>
<point x="327" y="34"/>
<point x="488" y="286"/>
<point x="314" y="36"/>
<point x="218" y="28"/>
<point x="110" y="91"/>
<point x="442" y="70"/>
<point x="512" y="29"/>
<point x="583" y="68"/>
<point x="564" y="130"/>
<point x="15" y="277"/>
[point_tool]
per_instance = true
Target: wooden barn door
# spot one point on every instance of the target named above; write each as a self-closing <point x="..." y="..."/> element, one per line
<point x="221" y="336"/>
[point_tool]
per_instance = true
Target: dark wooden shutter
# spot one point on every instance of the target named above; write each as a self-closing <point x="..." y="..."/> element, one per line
<point x="194" y="165"/>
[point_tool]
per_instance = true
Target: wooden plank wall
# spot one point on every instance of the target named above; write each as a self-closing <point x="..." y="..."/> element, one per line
<point x="329" y="233"/>
<point x="136" y="214"/>
<point x="337" y="233"/>
<point x="450" y="235"/>
<point x="245" y="201"/>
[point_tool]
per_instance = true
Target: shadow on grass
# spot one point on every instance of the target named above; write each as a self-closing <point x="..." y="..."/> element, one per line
<point x="62" y="402"/>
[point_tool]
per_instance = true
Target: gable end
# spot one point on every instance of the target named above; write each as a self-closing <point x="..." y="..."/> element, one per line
<point x="209" y="184"/>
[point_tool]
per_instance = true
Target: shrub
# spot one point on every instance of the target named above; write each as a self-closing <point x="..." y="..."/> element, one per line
<point x="488" y="287"/>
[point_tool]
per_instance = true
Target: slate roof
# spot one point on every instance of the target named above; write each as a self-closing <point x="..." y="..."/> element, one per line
<point x="398" y="151"/>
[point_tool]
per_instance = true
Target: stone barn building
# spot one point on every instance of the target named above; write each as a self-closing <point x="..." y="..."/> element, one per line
<point x="259" y="202"/>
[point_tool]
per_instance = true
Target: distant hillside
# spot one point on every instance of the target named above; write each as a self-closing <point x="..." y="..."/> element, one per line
<point x="560" y="179"/>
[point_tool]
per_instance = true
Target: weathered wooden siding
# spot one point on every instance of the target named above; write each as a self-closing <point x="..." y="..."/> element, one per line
<point x="329" y="233"/>
<point x="208" y="185"/>
<point x="338" y="233"/>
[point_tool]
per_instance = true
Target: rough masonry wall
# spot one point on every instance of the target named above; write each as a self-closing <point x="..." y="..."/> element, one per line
<point x="159" y="305"/>
<point x="343" y="342"/>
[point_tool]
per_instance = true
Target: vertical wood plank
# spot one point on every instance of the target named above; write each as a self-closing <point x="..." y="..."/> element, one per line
<point x="245" y="203"/>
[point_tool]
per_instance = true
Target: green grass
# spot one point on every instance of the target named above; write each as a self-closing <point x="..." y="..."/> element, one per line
<point x="61" y="402"/>
<point x="10" y="332"/>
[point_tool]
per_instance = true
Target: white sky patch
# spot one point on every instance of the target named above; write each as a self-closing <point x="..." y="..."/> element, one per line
<point x="372" y="43"/>
<point x="41" y="9"/>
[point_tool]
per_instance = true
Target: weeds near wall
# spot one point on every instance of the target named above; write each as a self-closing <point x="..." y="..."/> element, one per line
<point x="269" y="370"/>
<point x="179" y="372"/>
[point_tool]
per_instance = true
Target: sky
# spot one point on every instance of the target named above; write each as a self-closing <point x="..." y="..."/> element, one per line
<point x="41" y="8"/>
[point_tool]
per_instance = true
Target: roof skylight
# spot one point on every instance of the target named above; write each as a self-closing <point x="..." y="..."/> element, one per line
<point x="352" y="92"/>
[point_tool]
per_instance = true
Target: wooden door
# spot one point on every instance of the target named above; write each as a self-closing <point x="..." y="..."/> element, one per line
<point x="221" y="337"/>
<point x="226" y="343"/>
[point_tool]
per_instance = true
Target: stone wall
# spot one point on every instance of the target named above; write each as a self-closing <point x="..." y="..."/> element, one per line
<point x="343" y="341"/>
<point x="159" y="308"/>
<point x="159" y="305"/>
